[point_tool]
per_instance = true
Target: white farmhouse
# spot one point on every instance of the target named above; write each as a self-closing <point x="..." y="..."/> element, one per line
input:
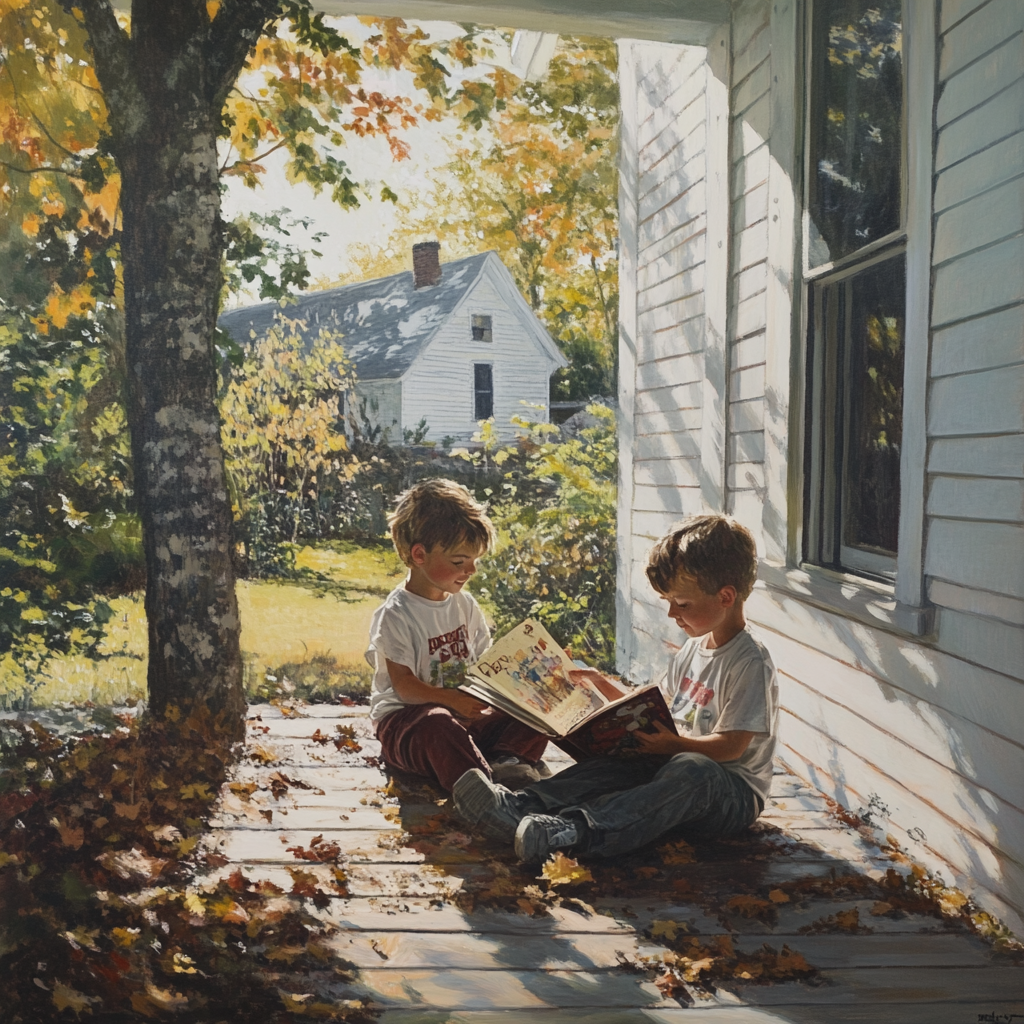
<point x="451" y="344"/>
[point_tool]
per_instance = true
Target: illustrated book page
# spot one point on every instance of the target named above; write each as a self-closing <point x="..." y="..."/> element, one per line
<point x="526" y="673"/>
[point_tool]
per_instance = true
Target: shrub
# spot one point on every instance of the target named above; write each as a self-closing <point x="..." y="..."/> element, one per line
<point x="555" y="558"/>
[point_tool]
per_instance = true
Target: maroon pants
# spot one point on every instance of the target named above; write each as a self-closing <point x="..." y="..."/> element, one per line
<point x="428" y="739"/>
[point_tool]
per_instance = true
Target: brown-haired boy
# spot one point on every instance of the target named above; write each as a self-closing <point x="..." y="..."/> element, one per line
<point x="423" y="637"/>
<point x="711" y="781"/>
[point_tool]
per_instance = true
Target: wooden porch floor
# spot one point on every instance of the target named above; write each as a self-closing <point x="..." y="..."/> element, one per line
<point x="444" y="926"/>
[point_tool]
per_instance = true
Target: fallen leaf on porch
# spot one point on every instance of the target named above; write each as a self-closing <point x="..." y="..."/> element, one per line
<point x="562" y="870"/>
<point x="261" y="753"/>
<point x="65" y="998"/>
<point x="881" y="907"/>
<point x="319" y="737"/>
<point x="346" y="739"/>
<point x="749" y="906"/>
<point x="647" y="872"/>
<point x="667" y="929"/>
<point x="671" y="986"/>
<point x="72" y="837"/>
<point x="318" y="850"/>
<point x="677" y="853"/>
<point x="244" y="790"/>
<point x="132" y="863"/>
<point x="778" y="896"/>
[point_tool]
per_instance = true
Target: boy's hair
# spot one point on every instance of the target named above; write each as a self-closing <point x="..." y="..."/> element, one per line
<point x="441" y="512"/>
<point x="715" y="551"/>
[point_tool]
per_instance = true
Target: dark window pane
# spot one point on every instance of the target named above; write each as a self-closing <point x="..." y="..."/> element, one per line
<point x="871" y="477"/>
<point x="856" y="129"/>
<point x="483" y="387"/>
<point x="481" y="327"/>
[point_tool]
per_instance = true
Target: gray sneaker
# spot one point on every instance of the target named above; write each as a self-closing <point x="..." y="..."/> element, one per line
<point x="538" y="835"/>
<point x="485" y="804"/>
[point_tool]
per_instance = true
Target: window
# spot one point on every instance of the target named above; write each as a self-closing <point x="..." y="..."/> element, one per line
<point x="856" y="281"/>
<point x="483" y="391"/>
<point x="481" y="327"/>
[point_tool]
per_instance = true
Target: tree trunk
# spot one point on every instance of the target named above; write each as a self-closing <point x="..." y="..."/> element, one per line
<point x="171" y="250"/>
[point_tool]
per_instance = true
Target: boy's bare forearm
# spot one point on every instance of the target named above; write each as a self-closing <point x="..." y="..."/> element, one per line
<point x="412" y="690"/>
<point x="719" y="746"/>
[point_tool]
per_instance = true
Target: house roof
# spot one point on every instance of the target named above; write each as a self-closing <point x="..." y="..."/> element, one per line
<point x="386" y="322"/>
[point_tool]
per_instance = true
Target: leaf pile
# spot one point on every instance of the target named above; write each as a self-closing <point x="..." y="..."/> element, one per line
<point x="103" y="905"/>
<point x="702" y="961"/>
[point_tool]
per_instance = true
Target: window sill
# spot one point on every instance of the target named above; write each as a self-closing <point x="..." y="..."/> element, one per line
<point x="853" y="597"/>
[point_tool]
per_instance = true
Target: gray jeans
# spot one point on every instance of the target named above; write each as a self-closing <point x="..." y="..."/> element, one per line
<point x="621" y="804"/>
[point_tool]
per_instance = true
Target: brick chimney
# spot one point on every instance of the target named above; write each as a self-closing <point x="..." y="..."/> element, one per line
<point x="426" y="264"/>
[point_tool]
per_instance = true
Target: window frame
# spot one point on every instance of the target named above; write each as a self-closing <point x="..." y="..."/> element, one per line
<point x="477" y="391"/>
<point x="486" y="327"/>
<point x="908" y="610"/>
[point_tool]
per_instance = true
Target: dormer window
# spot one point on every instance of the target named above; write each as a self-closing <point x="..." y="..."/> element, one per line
<point x="481" y="327"/>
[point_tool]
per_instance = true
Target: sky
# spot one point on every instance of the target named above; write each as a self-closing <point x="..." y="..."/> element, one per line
<point x="369" y="159"/>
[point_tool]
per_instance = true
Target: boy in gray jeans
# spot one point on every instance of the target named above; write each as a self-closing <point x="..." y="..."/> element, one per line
<point x="711" y="781"/>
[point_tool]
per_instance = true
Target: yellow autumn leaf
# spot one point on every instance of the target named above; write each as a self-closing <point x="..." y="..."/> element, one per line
<point x="951" y="901"/>
<point x="165" y="998"/>
<point x="664" y="928"/>
<point x="30" y="225"/>
<point x="65" y="998"/>
<point x="125" y="937"/>
<point x="187" y="845"/>
<point x="212" y="7"/>
<point x="880" y="907"/>
<point x="778" y="896"/>
<point x="562" y="870"/>
<point x="194" y="904"/>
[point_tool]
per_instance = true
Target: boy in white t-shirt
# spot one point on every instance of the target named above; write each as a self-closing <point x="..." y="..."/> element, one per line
<point x="709" y="782"/>
<point x="424" y="636"/>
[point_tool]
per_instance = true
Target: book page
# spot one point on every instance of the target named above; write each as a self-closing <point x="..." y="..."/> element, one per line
<point x="529" y="668"/>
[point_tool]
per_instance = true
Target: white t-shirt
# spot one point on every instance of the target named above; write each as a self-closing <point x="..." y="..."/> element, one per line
<point x="728" y="688"/>
<point x="436" y="639"/>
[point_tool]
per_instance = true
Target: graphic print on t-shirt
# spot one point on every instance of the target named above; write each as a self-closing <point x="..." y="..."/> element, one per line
<point x="449" y="654"/>
<point x="694" y="695"/>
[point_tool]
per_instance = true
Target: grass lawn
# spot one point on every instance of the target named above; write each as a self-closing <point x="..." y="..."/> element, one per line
<point x="315" y="640"/>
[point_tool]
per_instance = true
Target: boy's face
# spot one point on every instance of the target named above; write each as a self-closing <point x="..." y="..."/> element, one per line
<point x="697" y="612"/>
<point x="448" y="569"/>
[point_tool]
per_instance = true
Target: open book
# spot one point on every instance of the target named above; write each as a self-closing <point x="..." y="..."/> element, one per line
<point x="526" y="675"/>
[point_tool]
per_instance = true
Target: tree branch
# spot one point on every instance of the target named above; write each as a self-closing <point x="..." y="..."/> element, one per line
<point x="234" y="33"/>
<point x="40" y="170"/>
<point x="111" y="51"/>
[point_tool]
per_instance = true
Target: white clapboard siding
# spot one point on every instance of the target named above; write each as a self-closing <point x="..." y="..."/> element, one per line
<point x="380" y="401"/>
<point x="439" y="387"/>
<point x="979" y="221"/>
<point x="925" y="674"/>
<point x="980" y="81"/>
<point x="978" y="456"/>
<point x="982" y="757"/>
<point x="980" y="172"/>
<point x="983" y="343"/>
<point x="750" y="109"/>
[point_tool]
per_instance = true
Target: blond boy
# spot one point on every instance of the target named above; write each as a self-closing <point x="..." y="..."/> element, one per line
<point x="710" y="781"/>
<point x="424" y="636"/>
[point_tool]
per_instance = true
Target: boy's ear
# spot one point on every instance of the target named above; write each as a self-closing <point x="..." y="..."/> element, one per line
<point x="417" y="554"/>
<point x="727" y="596"/>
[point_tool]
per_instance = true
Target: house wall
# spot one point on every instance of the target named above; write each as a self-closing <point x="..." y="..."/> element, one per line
<point x="439" y="385"/>
<point x="383" y="405"/>
<point x="924" y="733"/>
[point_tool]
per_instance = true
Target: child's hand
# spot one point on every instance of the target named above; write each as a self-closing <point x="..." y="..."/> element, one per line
<point x="463" y="704"/>
<point x="605" y="686"/>
<point x="664" y="741"/>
